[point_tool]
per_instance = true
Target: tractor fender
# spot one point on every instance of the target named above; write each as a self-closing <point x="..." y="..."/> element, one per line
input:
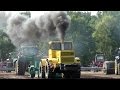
<point x="43" y="61"/>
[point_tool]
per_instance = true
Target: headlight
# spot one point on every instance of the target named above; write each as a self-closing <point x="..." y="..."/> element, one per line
<point x="77" y="58"/>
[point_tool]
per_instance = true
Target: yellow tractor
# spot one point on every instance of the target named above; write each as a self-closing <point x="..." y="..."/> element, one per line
<point x="61" y="61"/>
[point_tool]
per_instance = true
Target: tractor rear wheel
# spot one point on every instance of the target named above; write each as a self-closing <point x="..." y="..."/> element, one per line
<point x="41" y="71"/>
<point x="72" y="74"/>
<point x="75" y="74"/>
<point x="21" y="67"/>
<point x="51" y="74"/>
<point x="46" y="70"/>
<point x="67" y="75"/>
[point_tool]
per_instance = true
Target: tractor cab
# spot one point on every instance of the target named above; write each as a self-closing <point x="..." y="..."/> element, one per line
<point x="99" y="57"/>
<point x="29" y="51"/>
<point x="57" y="45"/>
<point x="99" y="60"/>
<point x="62" y="51"/>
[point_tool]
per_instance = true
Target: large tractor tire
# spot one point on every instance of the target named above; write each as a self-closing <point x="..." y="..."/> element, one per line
<point x="52" y="74"/>
<point x="72" y="75"/>
<point x="41" y="71"/>
<point x="76" y="75"/>
<point x="67" y="75"/>
<point x="21" y="67"/>
<point x="44" y="70"/>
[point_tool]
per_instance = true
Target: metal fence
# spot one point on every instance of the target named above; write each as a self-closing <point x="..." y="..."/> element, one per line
<point x="91" y="68"/>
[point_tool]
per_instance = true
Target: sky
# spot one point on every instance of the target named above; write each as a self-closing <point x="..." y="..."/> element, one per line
<point x="38" y="13"/>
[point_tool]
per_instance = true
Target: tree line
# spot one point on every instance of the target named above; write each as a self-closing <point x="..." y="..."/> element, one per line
<point x="93" y="34"/>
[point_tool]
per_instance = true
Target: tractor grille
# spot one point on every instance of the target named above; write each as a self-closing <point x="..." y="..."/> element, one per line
<point x="67" y="53"/>
<point x="67" y="60"/>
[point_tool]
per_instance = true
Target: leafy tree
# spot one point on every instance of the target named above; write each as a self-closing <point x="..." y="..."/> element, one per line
<point x="80" y="33"/>
<point x="5" y="46"/>
<point x="102" y="35"/>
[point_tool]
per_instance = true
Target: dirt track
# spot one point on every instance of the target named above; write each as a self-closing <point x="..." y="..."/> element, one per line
<point x="98" y="75"/>
<point x="84" y="75"/>
<point x="12" y="75"/>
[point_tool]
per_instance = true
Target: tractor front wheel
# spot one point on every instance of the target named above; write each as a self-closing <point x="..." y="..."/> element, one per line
<point x="46" y="70"/>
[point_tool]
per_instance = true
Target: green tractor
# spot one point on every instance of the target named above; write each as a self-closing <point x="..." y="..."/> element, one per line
<point x="28" y="61"/>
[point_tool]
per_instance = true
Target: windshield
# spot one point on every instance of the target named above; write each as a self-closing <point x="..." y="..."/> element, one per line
<point x="30" y="50"/>
<point x="67" y="46"/>
<point x="56" y="46"/>
<point x="100" y="58"/>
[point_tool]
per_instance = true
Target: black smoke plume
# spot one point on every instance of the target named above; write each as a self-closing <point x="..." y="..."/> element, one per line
<point x="30" y="31"/>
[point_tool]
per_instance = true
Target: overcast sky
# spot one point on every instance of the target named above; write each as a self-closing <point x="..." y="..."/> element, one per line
<point x="38" y="13"/>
